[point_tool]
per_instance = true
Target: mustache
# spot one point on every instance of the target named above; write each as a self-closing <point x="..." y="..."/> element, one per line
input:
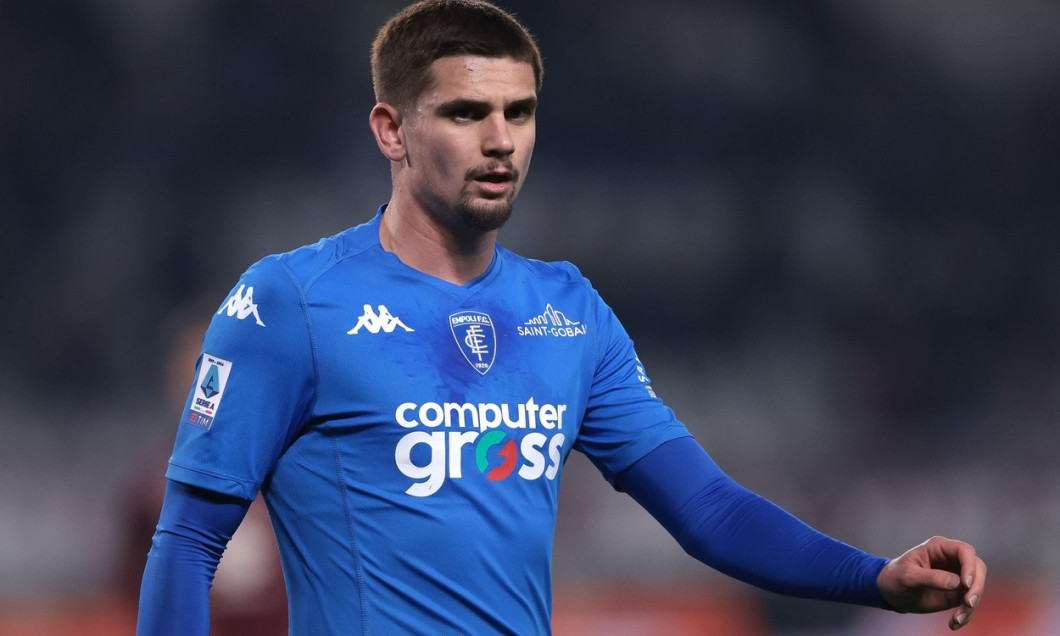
<point x="493" y="166"/>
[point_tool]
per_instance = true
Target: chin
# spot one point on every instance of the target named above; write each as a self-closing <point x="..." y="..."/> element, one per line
<point x="486" y="217"/>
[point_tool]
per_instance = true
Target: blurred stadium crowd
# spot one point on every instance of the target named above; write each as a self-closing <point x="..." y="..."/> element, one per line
<point x="830" y="226"/>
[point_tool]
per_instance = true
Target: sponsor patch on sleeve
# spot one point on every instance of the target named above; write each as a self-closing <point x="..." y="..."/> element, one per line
<point x="209" y="389"/>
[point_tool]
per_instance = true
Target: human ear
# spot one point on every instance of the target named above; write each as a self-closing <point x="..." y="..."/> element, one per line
<point x="385" y="122"/>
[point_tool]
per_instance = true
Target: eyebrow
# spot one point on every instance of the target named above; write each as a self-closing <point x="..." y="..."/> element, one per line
<point x="528" y="104"/>
<point x="461" y="104"/>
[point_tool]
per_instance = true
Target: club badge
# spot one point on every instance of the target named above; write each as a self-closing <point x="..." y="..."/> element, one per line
<point x="476" y="337"/>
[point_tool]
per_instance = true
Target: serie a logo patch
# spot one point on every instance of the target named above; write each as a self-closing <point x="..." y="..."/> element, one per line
<point x="209" y="390"/>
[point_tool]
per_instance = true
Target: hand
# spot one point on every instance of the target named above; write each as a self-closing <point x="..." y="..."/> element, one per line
<point x="936" y="575"/>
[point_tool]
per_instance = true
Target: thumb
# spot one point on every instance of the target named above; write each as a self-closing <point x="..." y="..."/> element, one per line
<point x="937" y="579"/>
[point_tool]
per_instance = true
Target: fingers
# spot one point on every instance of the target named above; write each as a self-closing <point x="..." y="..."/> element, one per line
<point x="909" y="584"/>
<point x="963" y="614"/>
<point x="937" y="579"/>
<point x="939" y="574"/>
<point x="960" y="558"/>
<point x="973" y="571"/>
<point x="973" y="578"/>
<point x="972" y="568"/>
<point x="975" y="581"/>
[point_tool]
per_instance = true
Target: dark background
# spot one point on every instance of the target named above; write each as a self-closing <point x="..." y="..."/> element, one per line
<point x="830" y="227"/>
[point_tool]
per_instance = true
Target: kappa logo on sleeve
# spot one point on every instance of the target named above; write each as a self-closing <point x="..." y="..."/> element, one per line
<point x="209" y="389"/>
<point x="241" y="305"/>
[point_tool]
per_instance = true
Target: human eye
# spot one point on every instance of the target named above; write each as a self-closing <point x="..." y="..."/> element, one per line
<point x="463" y="115"/>
<point x="462" y="112"/>
<point x="520" y="112"/>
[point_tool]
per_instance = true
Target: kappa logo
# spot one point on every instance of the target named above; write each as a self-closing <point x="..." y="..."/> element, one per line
<point x="476" y="338"/>
<point x="241" y="305"/>
<point x="551" y="323"/>
<point x="373" y="322"/>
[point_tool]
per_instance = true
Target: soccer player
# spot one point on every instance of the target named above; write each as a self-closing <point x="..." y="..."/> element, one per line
<point x="405" y="393"/>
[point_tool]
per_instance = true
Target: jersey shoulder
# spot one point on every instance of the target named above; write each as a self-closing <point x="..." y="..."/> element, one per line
<point x="561" y="273"/>
<point x="307" y="263"/>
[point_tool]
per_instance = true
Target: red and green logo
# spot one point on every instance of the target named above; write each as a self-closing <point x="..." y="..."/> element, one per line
<point x="487" y="459"/>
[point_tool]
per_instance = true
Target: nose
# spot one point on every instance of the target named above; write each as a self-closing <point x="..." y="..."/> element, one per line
<point x="497" y="138"/>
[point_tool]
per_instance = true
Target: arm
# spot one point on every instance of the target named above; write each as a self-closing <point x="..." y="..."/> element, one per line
<point x="741" y="534"/>
<point x="193" y="529"/>
<point x="737" y="532"/>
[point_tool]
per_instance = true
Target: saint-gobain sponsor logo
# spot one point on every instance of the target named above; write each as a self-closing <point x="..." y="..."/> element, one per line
<point x="551" y="323"/>
<point x="436" y="455"/>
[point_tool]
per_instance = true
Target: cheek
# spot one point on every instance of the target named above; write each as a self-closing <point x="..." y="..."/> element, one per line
<point x="527" y="151"/>
<point x="526" y="136"/>
<point x="444" y="159"/>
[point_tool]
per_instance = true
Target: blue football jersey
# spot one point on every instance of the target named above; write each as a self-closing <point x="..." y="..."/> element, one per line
<point x="409" y="434"/>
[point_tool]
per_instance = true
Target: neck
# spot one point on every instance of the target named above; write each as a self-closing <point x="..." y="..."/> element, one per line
<point x="429" y="247"/>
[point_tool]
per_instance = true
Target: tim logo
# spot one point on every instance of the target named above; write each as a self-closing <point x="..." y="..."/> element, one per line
<point x="241" y="305"/>
<point x="476" y="338"/>
<point x="374" y="322"/>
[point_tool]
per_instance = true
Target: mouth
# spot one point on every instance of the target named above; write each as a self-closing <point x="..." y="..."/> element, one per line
<point x="495" y="181"/>
<point x="495" y="177"/>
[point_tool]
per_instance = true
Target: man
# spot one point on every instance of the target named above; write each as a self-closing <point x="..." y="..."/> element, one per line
<point x="412" y="473"/>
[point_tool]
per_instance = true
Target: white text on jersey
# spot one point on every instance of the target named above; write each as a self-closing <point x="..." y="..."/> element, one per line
<point x="492" y="437"/>
<point x="551" y="323"/>
<point x="482" y="416"/>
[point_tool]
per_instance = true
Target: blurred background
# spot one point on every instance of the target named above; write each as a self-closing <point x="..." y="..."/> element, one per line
<point x="829" y="226"/>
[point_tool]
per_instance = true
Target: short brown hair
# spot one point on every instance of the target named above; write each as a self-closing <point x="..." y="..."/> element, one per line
<point x="423" y="32"/>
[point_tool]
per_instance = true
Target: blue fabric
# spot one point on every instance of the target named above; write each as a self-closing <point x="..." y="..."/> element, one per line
<point x="409" y="434"/>
<point x="193" y="529"/>
<point x="743" y="535"/>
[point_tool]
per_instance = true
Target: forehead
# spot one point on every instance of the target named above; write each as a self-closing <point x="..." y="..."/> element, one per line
<point x="480" y="79"/>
